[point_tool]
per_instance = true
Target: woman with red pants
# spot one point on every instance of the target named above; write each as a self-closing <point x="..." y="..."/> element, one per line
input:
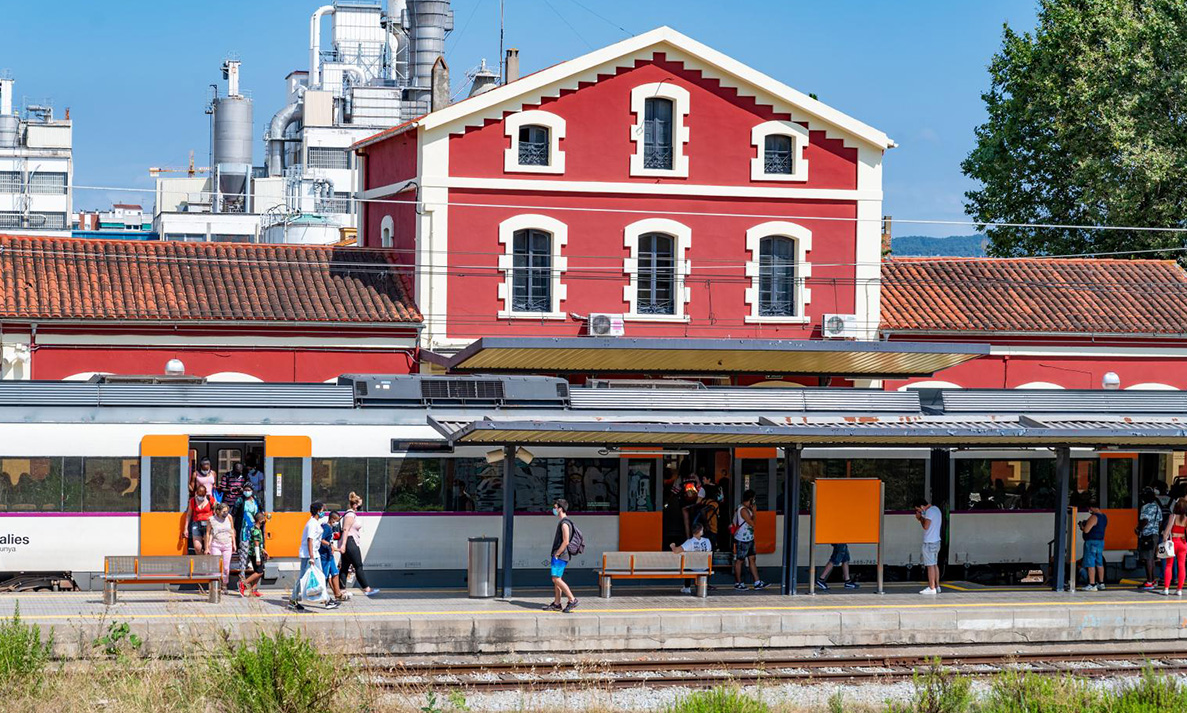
<point x="1176" y="531"/>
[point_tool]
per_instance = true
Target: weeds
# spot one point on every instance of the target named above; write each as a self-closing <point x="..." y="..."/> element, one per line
<point x="718" y="700"/>
<point x="938" y="690"/>
<point x="281" y="673"/>
<point x="23" y="656"/>
<point x="118" y="641"/>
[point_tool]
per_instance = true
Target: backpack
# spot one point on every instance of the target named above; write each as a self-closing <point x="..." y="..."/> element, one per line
<point x="576" y="540"/>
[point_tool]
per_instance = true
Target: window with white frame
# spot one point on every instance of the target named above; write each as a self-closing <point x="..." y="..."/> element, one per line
<point x="656" y="269"/>
<point x="387" y="232"/>
<point x="660" y="132"/>
<point x="779" y="148"/>
<point x="778" y="269"/>
<point x="535" y="142"/>
<point x="776" y="277"/>
<point x="531" y="271"/>
<point x="532" y="266"/>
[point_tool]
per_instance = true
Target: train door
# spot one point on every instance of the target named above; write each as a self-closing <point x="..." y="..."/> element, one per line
<point x="164" y="469"/>
<point x="754" y="469"/>
<point x="288" y="492"/>
<point x="640" y="508"/>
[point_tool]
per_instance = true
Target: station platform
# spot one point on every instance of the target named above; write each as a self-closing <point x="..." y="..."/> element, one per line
<point x="407" y="622"/>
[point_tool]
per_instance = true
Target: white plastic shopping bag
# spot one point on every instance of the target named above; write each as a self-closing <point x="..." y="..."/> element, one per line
<point x="313" y="585"/>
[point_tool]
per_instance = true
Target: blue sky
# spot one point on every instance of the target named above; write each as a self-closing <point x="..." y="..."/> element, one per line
<point x="135" y="73"/>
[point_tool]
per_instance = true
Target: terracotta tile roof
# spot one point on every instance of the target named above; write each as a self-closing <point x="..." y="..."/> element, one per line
<point x="48" y="278"/>
<point x="1034" y="295"/>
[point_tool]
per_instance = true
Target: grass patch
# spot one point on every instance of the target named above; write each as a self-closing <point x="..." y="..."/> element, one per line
<point x="718" y="700"/>
<point x="23" y="655"/>
<point x="281" y="673"/>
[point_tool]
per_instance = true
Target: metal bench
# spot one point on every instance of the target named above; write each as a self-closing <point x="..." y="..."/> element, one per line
<point x="656" y="565"/>
<point x="157" y="569"/>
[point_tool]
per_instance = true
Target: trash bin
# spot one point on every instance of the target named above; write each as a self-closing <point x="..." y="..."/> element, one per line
<point x="481" y="566"/>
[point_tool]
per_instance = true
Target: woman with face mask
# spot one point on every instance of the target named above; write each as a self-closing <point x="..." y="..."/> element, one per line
<point x="197" y="519"/>
<point x="246" y="509"/>
<point x="222" y="538"/>
<point x="203" y="476"/>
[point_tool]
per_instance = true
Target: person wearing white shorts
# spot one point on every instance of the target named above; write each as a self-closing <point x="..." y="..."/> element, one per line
<point x="930" y="519"/>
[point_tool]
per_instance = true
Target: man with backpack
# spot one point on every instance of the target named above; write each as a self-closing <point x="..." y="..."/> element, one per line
<point x="567" y="542"/>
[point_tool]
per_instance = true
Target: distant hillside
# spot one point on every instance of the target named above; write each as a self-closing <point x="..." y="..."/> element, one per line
<point x="954" y="246"/>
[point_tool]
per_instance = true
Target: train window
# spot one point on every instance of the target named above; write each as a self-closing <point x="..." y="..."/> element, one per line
<point x="640" y="484"/>
<point x="590" y="485"/>
<point x="412" y="485"/>
<point x="227" y="458"/>
<point x="164" y="493"/>
<point x="473" y="485"/>
<point x="111" y="485"/>
<point x="336" y="478"/>
<point x="30" y="484"/>
<point x="756" y="476"/>
<point x="1120" y="478"/>
<point x="286" y="479"/>
<point x="984" y="484"/>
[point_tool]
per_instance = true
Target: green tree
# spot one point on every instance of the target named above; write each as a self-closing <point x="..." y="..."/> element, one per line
<point x="1087" y="126"/>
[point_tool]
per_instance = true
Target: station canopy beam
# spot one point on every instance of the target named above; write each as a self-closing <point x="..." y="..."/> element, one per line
<point x="620" y="355"/>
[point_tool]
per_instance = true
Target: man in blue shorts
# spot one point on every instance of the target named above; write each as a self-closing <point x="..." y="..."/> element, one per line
<point x="559" y="557"/>
<point x="838" y="558"/>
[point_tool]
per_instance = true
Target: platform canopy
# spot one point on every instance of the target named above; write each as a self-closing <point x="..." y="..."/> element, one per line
<point x="618" y="355"/>
<point x="917" y="433"/>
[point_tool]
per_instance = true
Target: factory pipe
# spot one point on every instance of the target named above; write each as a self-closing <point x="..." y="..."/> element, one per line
<point x="280" y="121"/>
<point x="315" y="44"/>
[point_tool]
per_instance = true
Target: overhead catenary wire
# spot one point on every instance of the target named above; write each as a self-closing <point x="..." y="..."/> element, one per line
<point x="710" y="214"/>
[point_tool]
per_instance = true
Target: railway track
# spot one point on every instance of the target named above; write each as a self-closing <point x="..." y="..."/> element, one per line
<point x="481" y="677"/>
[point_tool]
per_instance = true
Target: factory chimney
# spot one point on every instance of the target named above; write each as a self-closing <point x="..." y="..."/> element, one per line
<point x="440" y="85"/>
<point x="511" y="68"/>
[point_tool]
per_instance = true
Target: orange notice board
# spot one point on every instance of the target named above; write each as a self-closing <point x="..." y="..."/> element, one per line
<point x="848" y="511"/>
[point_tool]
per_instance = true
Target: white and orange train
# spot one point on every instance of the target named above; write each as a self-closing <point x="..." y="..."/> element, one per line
<point x="101" y="468"/>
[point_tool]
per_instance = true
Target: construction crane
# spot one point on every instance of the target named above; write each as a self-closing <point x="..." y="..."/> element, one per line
<point x="191" y="170"/>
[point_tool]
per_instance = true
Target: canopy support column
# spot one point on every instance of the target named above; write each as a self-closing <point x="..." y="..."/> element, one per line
<point x="1063" y="473"/>
<point x="508" y="516"/>
<point x="791" y="519"/>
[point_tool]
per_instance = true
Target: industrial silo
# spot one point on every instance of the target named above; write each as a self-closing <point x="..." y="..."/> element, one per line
<point x="231" y="143"/>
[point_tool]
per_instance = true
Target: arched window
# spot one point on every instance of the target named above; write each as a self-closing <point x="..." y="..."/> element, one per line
<point x="657" y="274"/>
<point x="534" y="145"/>
<point x="776" y="277"/>
<point x="531" y="277"/>
<point x="777" y="156"/>
<point x="657" y="133"/>
<point x="386" y="230"/>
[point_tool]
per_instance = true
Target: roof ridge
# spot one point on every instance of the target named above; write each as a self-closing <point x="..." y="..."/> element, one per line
<point x="198" y="245"/>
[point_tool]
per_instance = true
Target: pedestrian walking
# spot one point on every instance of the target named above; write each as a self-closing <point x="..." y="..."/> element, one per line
<point x="561" y="552"/>
<point x="1149" y="524"/>
<point x="329" y="535"/>
<point x="931" y="519"/>
<point x="202" y="476"/>
<point x="222" y="539"/>
<point x="252" y="557"/>
<point x="198" y="511"/>
<point x="1094" y="527"/>
<point x="350" y="546"/>
<point x="230" y="486"/>
<point x="245" y="509"/>
<point x="742" y="527"/>
<point x="310" y="543"/>
<point x="1176" y="533"/>
<point x="838" y="558"/>
<point x="697" y="543"/>
<point x="255" y="477"/>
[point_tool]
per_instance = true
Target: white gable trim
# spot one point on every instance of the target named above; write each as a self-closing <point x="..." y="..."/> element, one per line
<point x="548" y="82"/>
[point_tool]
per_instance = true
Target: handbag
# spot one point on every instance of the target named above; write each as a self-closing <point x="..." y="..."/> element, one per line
<point x="1166" y="549"/>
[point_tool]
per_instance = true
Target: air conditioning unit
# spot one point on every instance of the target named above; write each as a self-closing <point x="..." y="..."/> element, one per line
<point x="839" y="326"/>
<point x="606" y="325"/>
